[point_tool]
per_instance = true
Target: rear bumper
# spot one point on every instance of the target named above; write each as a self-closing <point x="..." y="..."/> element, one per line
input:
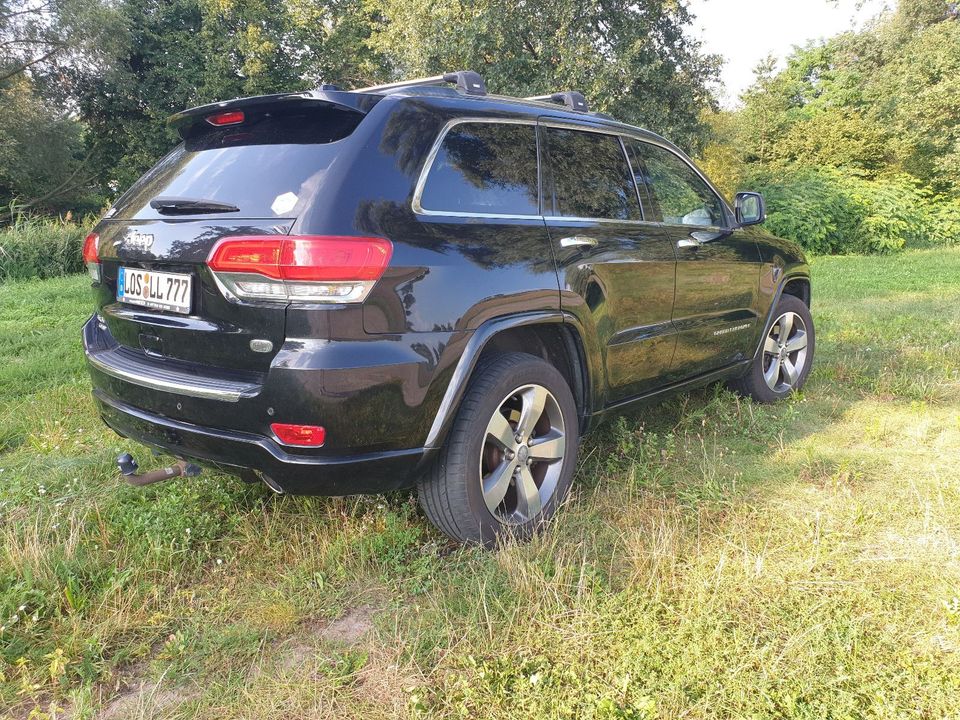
<point x="222" y="418"/>
<point x="106" y="356"/>
<point x="234" y="451"/>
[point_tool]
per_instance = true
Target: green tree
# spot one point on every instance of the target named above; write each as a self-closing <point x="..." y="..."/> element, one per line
<point x="635" y="60"/>
<point x="43" y="160"/>
<point x="883" y="100"/>
<point x="182" y="53"/>
<point x="160" y="70"/>
<point x="917" y="94"/>
<point x="42" y="163"/>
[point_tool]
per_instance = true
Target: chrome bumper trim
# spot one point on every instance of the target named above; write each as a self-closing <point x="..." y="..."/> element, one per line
<point x="156" y="375"/>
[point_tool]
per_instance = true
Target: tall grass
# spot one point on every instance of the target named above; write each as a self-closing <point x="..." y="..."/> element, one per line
<point x="35" y="247"/>
<point x="717" y="559"/>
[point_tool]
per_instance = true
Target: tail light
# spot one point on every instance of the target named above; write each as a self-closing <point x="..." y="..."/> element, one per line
<point x="91" y="255"/>
<point x="302" y="435"/>
<point x="304" y="268"/>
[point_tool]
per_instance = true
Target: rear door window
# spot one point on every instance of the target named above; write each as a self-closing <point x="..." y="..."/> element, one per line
<point x="269" y="166"/>
<point x="487" y="168"/>
<point x="682" y="195"/>
<point x="589" y="176"/>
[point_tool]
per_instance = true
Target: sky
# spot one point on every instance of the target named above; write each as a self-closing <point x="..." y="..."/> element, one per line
<point x="744" y="32"/>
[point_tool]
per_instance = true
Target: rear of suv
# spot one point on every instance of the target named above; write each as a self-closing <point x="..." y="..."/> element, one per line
<point x="348" y="292"/>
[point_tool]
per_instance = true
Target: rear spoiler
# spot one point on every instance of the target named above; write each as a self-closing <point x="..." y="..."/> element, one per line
<point x="347" y="101"/>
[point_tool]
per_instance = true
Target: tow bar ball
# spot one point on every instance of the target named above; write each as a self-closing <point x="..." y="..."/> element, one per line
<point x="128" y="468"/>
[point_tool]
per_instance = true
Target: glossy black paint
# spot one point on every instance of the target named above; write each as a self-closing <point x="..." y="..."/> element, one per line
<point x="216" y="332"/>
<point x="384" y="377"/>
<point x="715" y="310"/>
<point x="622" y="288"/>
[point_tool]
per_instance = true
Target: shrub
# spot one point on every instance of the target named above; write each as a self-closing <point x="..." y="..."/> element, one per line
<point x="828" y="211"/>
<point x="41" y="248"/>
<point x="945" y="222"/>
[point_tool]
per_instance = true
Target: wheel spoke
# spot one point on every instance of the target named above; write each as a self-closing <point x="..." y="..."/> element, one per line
<point x="772" y="374"/>
<point x="770" y="346"/>
<point x="797" y="342"/>
<point x="790" y="373"/>
<point x="549" y="448"/>
<point x="534" y="399"/>
<point x="496" y="483"/>
<point x="528" y="494"/>
<point x="786" y="326"/>
<point x="499" y="429"/>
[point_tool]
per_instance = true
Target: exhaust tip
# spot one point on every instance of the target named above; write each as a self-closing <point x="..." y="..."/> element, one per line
<point x="270" y="482"/>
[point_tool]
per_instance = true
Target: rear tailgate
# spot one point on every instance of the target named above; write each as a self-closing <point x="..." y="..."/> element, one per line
<point x="216" y="331"/>
<point x="268" y="164"/>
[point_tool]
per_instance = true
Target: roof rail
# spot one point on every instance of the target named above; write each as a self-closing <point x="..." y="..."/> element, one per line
<point x="571" y="98"/>
<point x="466" y="80"/>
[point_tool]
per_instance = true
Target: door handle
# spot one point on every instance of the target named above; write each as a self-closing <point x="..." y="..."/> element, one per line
<point x="699" y="237"/>
<point x="577" y="241"/>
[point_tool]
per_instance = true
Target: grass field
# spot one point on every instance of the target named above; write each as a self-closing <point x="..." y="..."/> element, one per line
<point x="717" y="558"/>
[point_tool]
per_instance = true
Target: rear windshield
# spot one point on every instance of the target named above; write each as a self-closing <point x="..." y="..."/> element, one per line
<point x="269" y="166"/>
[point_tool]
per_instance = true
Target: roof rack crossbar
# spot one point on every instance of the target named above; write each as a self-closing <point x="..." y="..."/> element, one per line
<point x="433" y="80"/>
<point x="571" y="98"/>
<point x="466" y="80"/>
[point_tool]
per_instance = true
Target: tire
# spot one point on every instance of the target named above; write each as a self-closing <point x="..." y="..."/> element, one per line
<point x="482" y="460"/>
<point x="777" y="370"/>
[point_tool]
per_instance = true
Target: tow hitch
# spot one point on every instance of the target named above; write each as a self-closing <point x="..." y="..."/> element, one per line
<point x="128" y="468"/>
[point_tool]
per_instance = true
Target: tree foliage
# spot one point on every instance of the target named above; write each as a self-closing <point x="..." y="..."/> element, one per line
<point x="44" y="158"/>
<point x="856" y="141"/>
<point x="829" y="211"/>
<point x="884" y="100"/>
<point x="635" y="60"/>
<point x="112" y="71"/>
<point x="41" y="154"/>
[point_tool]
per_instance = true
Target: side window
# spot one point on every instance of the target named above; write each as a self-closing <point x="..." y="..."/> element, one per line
<point x="485" y="167"/>
<point x="683" y="196"/>
<point x="590" y="177"/>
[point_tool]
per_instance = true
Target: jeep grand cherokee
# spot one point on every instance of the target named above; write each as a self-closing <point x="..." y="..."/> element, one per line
<point x="424" y="284"/>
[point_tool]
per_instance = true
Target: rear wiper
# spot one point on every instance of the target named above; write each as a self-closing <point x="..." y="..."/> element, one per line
<point x="188" y="206"/>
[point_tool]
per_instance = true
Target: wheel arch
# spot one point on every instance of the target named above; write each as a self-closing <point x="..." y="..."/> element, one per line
<point x="553" y="336"/>
<point x="798" y="285"/>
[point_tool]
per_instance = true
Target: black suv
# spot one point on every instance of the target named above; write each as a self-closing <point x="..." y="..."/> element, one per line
<point x="342" y="292"/>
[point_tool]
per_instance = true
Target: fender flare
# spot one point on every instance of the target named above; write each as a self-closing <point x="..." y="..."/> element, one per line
<point x="471" y="354"/>
<point x="787" y="279"/>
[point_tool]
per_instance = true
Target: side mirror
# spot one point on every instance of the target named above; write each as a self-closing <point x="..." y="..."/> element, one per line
<point x="751" y="210"/>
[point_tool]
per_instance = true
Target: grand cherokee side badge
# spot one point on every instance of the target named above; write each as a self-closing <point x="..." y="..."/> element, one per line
<point x="735" y="328"/>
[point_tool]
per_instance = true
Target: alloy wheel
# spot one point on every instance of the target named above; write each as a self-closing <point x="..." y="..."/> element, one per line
<point x="522" y="455"/>
<point x="785" y="352"/>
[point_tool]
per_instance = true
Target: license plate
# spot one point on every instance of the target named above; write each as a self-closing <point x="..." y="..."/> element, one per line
<point x="158" y="290"/>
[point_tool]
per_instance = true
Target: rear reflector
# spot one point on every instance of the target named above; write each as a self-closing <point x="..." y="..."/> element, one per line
<point x="301" y="435"/>
<point x="307" y="268"/>
<point x="91" y="255"/>
<point x="234" y="117"/>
